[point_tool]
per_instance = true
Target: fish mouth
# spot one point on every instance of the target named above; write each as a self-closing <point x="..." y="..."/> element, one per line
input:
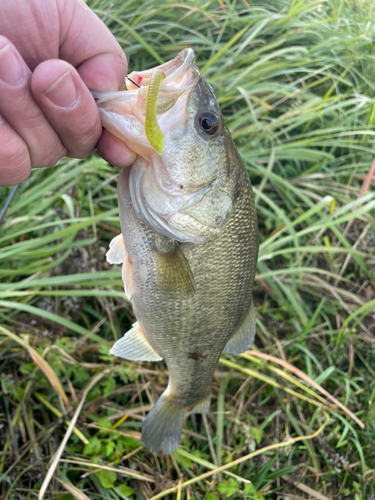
<point x="123" y="113"/>
<point x="180" y="73"/>
<point x="158" y="197"/>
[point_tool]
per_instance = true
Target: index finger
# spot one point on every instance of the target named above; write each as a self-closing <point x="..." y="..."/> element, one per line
<point x="87" y="44"/>
<point x="69" y="30"/>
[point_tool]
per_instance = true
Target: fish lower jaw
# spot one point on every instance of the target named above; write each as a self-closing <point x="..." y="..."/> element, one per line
<point x="165" y="214"/>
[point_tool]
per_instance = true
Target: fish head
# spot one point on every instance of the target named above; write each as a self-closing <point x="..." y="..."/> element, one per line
<point x="187" y="191"/>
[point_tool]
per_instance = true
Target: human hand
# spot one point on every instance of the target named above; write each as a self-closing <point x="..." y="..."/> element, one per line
<point x="51" y="53"/>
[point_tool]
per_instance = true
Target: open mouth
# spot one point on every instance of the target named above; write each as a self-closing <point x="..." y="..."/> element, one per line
<point x="177" y="74"/>
<point x="181" y="75"/>
<point x="161" y="197"/>
<point x="124" y="113"/>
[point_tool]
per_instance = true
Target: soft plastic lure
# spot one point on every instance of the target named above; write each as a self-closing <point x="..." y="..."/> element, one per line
<point x="153" y="133"/>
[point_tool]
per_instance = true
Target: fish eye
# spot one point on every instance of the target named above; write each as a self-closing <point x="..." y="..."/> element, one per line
<point x="209" y="123"/>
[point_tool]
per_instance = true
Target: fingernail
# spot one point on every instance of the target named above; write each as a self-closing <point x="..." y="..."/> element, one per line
<point x="11" y="70"/>
<point x="63" y="92"/>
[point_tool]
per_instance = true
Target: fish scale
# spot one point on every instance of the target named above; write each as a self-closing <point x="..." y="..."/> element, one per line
<point x="191" y="272"/>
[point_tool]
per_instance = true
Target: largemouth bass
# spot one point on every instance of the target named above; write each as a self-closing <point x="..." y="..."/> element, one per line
<point x="189" y="242"/>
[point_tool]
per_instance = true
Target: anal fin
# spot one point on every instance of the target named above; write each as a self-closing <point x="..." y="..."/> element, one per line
<point x="243" y="338"/>
<point x="134" y="346"/>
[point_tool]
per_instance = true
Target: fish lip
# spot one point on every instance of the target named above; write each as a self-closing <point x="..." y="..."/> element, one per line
<point x="124" y="113"/>
<point x="173" y="70"/>
<point x="119" y="109"/>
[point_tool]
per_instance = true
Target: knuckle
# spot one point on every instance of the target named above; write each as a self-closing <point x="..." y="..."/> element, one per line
<point x="15" y="163"/>
<point x="11" y="177"/>
<point x="51" y="156"/>
<point x="84" y="139"/>
<point x="14" y="152"/>
<point x="45" y="146"/>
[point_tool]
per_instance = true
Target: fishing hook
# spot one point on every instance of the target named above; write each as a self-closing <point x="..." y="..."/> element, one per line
<point x="130" y="80"/>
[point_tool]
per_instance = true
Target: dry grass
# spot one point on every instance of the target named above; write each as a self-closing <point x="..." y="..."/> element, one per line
<point x="295" y="82"/>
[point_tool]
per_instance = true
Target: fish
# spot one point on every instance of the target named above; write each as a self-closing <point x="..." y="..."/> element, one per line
<point x="189" y="241"/>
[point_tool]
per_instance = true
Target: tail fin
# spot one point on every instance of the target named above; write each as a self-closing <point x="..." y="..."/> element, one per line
<point x="163" y="425"/>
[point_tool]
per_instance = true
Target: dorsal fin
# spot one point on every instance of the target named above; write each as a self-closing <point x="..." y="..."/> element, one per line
<point x="243" y="338"/>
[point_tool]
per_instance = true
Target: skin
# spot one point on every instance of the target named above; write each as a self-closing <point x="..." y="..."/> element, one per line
<point x="189" y="326"/>
<point x="51" y="53"/>
<point x="189" y="331"/>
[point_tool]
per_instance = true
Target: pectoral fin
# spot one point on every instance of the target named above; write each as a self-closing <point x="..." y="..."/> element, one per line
<point x="117" y="254"/>
<point x="134" y="346"/>
<point x="117" y="251"/>
<point x="174" y="272"/>
<point x="243" y="338"/>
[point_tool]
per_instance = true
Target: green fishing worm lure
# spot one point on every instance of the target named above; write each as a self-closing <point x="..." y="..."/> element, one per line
<point x="153" y="133"/>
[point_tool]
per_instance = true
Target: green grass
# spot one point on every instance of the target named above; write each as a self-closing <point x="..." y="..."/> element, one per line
<point x="295" y="80"/>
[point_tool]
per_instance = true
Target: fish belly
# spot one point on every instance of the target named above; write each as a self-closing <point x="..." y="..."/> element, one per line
<point x="190" y="331"/>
